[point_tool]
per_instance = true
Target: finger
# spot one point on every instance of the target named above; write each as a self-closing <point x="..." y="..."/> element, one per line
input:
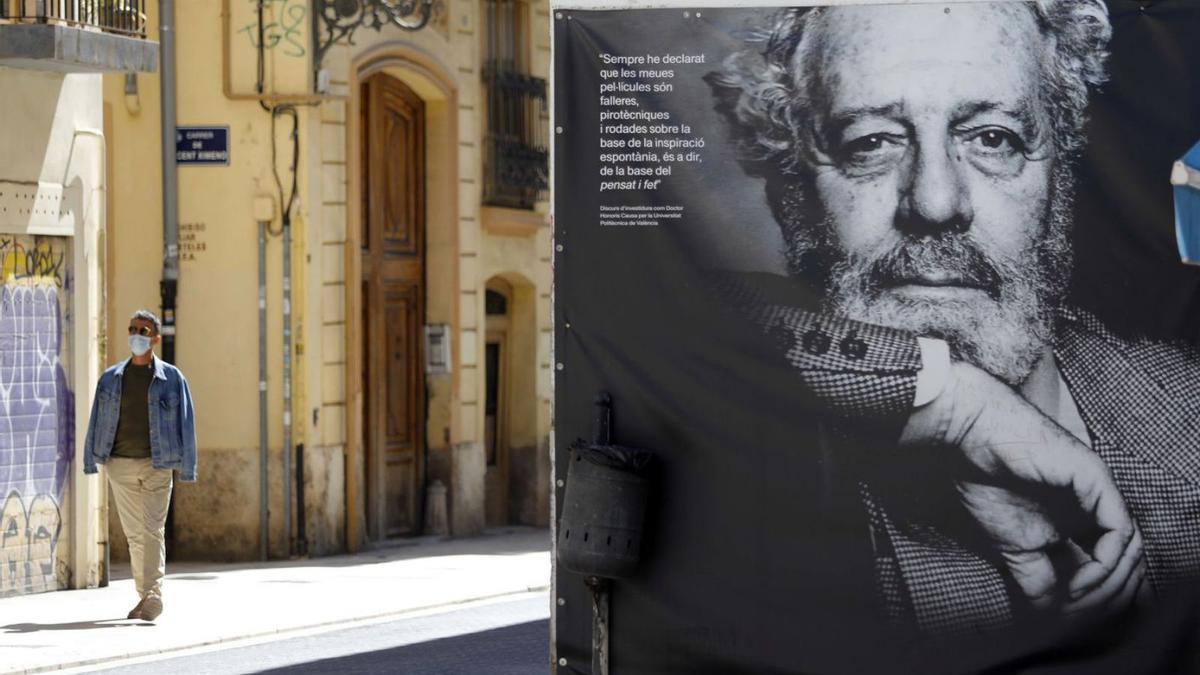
<point x="1058" y="459"/>
<point x="1099" y="496"/>
<point x="1105" y="557"/>
<point x="1034" y="573"/>
<point x="1084" y="598"/>
<point x="1136" y="589"/>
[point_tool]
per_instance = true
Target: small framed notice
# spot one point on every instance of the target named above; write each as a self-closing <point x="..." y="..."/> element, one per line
<point x="437" y="349"/>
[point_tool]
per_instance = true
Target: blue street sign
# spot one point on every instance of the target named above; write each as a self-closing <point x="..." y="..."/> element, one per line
<point x="206" y="146"/>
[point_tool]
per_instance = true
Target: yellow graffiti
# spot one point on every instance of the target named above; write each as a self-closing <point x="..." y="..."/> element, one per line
<point x="41" y="264"/>
<point x="27" y="543"/>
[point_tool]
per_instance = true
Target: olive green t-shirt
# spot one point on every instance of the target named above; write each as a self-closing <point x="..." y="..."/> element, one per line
<point x="133" y="427"/>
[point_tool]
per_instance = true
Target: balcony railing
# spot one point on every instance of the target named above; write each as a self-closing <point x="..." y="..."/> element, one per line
<point x="516" y="145"/>
<point x="124" y="17"/>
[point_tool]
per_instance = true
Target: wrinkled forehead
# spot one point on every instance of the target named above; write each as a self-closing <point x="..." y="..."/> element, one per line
<point x="921" y="55"/>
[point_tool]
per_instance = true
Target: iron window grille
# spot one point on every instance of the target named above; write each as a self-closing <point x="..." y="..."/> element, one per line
<point x="125" y="17"/>
<point x="516" y="137"/>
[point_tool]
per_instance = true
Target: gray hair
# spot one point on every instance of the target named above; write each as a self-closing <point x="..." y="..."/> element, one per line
<point x="766" y="100"/>
<point x="147" y="315"/>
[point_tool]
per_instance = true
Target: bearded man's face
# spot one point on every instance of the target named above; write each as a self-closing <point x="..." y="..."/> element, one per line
<point x="935" y="202"/>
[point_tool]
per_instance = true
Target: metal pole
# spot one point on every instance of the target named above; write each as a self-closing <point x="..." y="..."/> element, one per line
<point x="600" y="588"/>
<point x="287" y="380"/>
<point x="170" y="179"/>
<point x="169" y="284"/>
<point x="263" y="514"/>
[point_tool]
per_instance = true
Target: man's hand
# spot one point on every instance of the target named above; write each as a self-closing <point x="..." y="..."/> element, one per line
<point x="1016" y="465"/>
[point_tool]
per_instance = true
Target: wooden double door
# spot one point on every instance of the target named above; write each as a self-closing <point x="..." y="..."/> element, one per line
<point x="393" y="305"/>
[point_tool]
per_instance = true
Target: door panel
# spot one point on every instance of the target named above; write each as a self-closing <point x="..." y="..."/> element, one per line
<point x="401" y="515"/>
<point x="397" y="313"/>
<point x="394" y="302"/>
<point x="404" y="385"/>
<point x="402" y="164"/>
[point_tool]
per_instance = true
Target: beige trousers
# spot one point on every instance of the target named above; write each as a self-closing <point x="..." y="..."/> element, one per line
<point x="142" y="494"/>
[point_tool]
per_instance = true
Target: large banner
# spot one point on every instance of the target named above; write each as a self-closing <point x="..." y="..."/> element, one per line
<point x="892" y="294"/>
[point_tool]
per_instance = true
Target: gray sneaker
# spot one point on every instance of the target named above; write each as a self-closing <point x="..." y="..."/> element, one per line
<point x="136" y="612"/>
<point x="151" y="608"/>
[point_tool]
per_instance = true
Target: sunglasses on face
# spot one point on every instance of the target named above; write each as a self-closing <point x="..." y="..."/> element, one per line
<point x="144" y="331"/>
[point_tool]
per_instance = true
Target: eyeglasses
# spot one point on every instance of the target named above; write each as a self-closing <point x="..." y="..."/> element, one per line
<point x="144" y="331"/>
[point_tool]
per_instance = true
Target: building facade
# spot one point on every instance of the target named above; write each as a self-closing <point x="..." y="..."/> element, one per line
<point x="410" y="166"/>
<point x="52" y="339"/>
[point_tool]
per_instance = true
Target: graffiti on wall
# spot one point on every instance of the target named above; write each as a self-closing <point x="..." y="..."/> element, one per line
<point x="28" y="536"/>
<point x="38" y="261"/>
<point x="37" y="418"/>
<point x="287" y="31"/>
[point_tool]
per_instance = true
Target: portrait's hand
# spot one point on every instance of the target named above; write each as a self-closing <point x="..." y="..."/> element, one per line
<point x="1047" y="501"/>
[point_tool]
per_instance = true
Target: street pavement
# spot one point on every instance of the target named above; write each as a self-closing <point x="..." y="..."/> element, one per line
<point x="210" y="604"/>
<point x="498" y="637"/>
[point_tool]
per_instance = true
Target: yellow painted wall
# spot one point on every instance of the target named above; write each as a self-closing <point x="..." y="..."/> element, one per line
<point x="217" y="308"/>
<point x="217" y="345"/>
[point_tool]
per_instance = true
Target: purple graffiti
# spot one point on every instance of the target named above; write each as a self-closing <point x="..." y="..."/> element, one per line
<point x="37" y="421"/>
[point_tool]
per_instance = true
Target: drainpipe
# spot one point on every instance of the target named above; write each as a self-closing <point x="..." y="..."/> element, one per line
<point x="287" y="380"/>
<point x="263" y="522"/>
<point x="286" y="220"/>
<point x="170" y="179"/>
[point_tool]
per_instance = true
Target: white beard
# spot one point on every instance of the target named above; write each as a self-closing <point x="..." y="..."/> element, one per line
<point x="1004" y="337"/>
<point x="1005" y="332"/>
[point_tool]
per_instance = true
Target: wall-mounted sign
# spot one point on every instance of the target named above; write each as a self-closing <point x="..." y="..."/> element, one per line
<point x="437" y="349"/>
<point x="202" y="145"/>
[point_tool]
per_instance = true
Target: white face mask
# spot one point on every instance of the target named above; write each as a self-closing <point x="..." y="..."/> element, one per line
<point x="139" y="344"/>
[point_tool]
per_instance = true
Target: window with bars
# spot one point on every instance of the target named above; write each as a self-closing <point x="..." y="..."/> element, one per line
<point x="516" y="132"/>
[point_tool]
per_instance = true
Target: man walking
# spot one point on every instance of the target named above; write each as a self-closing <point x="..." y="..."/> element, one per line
<point x="142" y="427"/>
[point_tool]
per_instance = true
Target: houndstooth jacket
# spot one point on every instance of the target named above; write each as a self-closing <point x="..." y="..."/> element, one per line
<point x="1140" y="400"/>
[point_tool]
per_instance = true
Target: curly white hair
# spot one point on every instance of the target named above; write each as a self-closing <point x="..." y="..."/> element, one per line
<point x="764" y="93"/>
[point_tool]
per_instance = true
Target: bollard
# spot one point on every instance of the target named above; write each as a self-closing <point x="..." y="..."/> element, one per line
<point x="604" y="509"/>
<point x="436" y="521"/>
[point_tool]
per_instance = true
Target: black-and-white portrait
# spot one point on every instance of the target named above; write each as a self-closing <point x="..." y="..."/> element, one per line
<point x="919" y="161"/>
<point x="915" y="207"/>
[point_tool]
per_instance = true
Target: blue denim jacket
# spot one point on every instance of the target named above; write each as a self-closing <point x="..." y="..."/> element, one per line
<point x="172" y="420"/>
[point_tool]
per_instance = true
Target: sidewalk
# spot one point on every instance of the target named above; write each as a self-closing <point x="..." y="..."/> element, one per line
<point x="210" y="603"/>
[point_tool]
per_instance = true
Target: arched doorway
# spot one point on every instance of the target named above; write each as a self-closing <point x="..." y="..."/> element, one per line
<point x="510" y="413"/>
<point x="497" y="403"/>
<point x="392" y="252"/>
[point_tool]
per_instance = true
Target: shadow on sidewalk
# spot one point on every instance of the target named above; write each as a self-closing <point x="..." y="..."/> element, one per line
<point x="517" y="650"/>
<point x="72" y="625"/>
<point x="507" y="541"/>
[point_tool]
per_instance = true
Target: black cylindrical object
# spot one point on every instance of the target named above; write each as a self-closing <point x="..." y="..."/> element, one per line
<point x="168" y="293"/>
<point x="604" y="505"/>
<point x="301" y="536"/>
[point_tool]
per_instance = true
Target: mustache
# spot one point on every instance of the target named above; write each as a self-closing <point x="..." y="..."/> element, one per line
<point x="952" y="259"/>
